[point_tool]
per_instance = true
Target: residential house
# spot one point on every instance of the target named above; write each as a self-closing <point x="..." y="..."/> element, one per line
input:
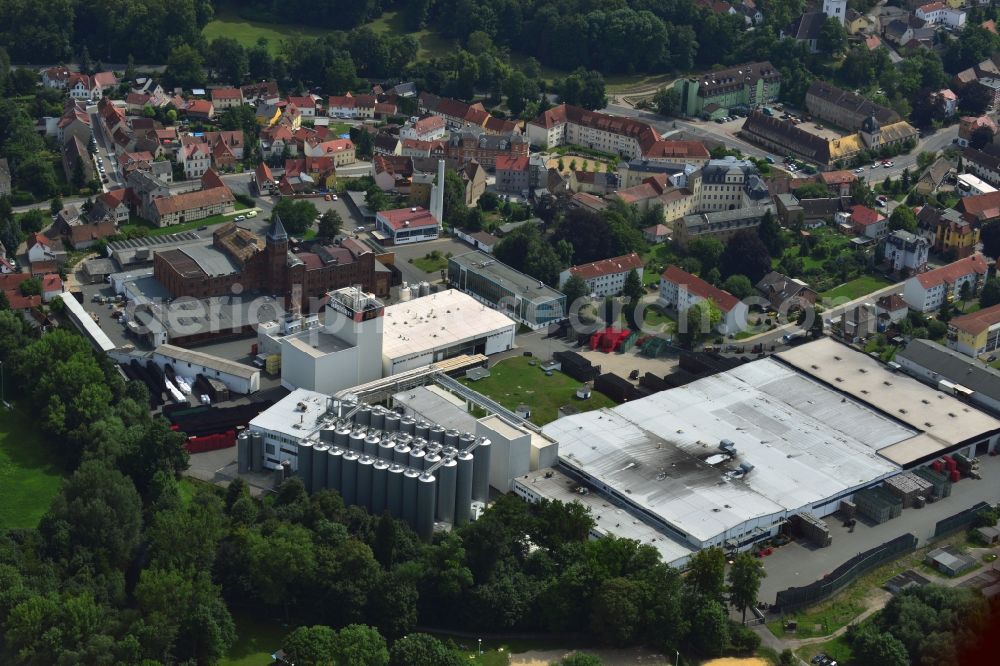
<point x="938" y="13"/>
<point x="926" y="292"/>
<point x="728" y="184"/>
<point x="275" y="140"/>
<point x="56" y="77"/>
<point x="984" y="163"/>
<point x="947" y="100"/>
<point x="7" y="266"/>
<point x="4" y="177"/>
<point x="393" y="173"/>
<point x="857" y="324"/>
<point x="607" y="276"/>
<point x="976" y="333"/>
<point x="387" y="144"/>
<point x="633" y="172"/>
<point x="196" y="158"/>
<point x="458" y="115"/>
<point x="263" y="179"/>
<point x="483" y="148"/>
<point x="265" y="91"/>
<point x="425" y="129"/>
<point x="84" y="87"/>
<point x="86" y="234"/>
<point x="303" y="174"/>
<point x="935" y="177"/>
<point x="968" y="185"/>
<point x="838" y="182"/>
<point x="970" y="125"/>
<point x="906" y="253"/>
<point x="10" y="285"/>
<point x="587" y="202"/>
<point x="76" y="161"/>
<point x="341" y="150"/>
<point x="951" y="234"/>
<point x="678" y="152"/>
<point x="806" y="29"/>
<point x="647" y="194"/>
<point x="75" y="122"/>
<point x="351" y="106"/>
<point x="474" y="177"/>
<point x="981" y="208"/>
<point x="305" y="104"/>
<point x="267" y="114"/>
<point x="680" y="290"/>
<point x="751" y="13"/>
<point x="67" y="217"/>
<point x="567" y="124"/>
<point x="868" y="223"/>
<point x="594" y="182"/>
<point x="857" y="23"/>
<point x="723" y="224"/>
<point x="785" y="294"/>
<point x="992" y="87"/>
<point x="656" y="233"/>
<point x="890" y="309"/>
<point x="843" y="108"/>
<point x="741" y="87"/>
<point x="41" y="249"/>
<point x="110" y="205"/>
<point x="191" y="206"/>
<point x="199" y="109"/>
<point x="226" y="98"/>
<point x="798" y="213"/>
<point x="512" y="174"/>
<point x="417" y="148"/>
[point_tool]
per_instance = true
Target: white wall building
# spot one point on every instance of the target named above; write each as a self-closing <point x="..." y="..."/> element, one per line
<point x="906" y="252"/>
<point x="927" y="291"/>
<point x="680" y="290"/>
<point x="836" y="9"/>
<point x="237" y="377"/>
<point x="938" y="13"/>
<point x="605" y="277"/>
<point x="969" y="186"/>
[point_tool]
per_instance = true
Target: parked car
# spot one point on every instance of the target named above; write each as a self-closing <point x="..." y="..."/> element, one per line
<point x="252" y="213"/>
<point x="239" y="218"/>
<point x="334" y="197"/>
<point x="887" y="165"/>
<point x="859" y="170"/>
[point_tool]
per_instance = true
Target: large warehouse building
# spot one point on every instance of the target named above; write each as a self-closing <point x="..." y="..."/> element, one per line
<point x="725" y="460"/>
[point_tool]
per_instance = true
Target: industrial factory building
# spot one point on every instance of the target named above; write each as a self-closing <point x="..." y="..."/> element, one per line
<point x="373" y="457"/>
<point x="725" y="460"/>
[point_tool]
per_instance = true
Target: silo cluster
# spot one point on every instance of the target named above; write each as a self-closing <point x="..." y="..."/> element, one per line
<point x="418" y="471"/>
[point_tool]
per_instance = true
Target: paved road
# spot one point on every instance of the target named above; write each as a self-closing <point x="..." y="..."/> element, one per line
<point x="105" y="152"/>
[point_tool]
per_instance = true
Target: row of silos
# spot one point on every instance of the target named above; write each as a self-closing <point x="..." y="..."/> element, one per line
<point x="414" y="479"/>
<point x="250" y="452"/>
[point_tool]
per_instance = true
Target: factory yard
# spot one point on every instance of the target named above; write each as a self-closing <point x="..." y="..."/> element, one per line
<point x="516" y="381"/>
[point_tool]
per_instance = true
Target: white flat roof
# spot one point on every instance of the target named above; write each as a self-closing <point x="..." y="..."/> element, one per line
<point x="436" y="405"/>
<point x="439" y="320"/>
<point x="83" y="320"/>
<point x="208" y="361"/>
<point x="288" y="418"/>
<point x="806" y="442"/>
<point x="944" y="420"/>
<point x="608" y="518"/>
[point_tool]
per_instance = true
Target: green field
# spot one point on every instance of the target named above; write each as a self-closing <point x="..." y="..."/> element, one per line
<point x="857" y="288"/>
<point x="228" y="24"/>
<point x="256" y="641"/>
<point x="28" y="481"/>
<point x="513" y="382"/>
<point x="431" y="264"/>
<point x="837" y="649"/>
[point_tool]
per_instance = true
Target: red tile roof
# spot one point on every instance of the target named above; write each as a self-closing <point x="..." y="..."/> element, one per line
<point x="311" y="260"/>
<point x="668" y="149"/>
<point x="891" y="303"/>
<point x="953" y="271"/>
<point x="977" y="322"/>
<point x="864" y="216"/>
<point x="508" y="163"/>
<point x="429" y="124"/>
<point x="976" y="205"/>
<point x="837" y="177"/>
<point x="643" y="133"/>
<point x="263" y="174"/>
<point x="226" y="93"/>
<point x="201" y="106"/>
<point x="10" y="285"/>
<point x="303" y="102"/>
<point x="695" y="285"/>
<point x="51" y="282"/>
<point x="401" y="218"/>
<point x="38" y="237"/>
<point x="611" y="266"/>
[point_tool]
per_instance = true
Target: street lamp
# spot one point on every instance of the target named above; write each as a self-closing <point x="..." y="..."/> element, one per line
<point x="480" y="646"/>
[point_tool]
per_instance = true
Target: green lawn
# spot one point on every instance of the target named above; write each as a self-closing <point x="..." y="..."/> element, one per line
<point x="28" y="480"/>
<point x="135" y="224"/>
<point x="513" y="381"/>
<point x="857" y="288"/>
<point x="431" y="44"/>
<point x="256" y="641"/>
<point x="430" y="264"/>
<point x="228" y="24"/>
<point x="656" y="317"/>
<point x="837" y="649"/>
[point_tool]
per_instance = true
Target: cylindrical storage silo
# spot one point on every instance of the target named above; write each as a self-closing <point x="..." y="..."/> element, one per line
<point x="394" y="491"/>
<point x="436" y="434"/>
<point x="279" y="477"/>
<point x="449" y="452"/>
<point x="365" y="465"/>
<point x="319" y="458"/>
<point x="371" y="445"/>
<point x="423" y="429"/>
<point x="334" y="464"/>
<point x="380" y="478"/>
<point x="256" y="452"/>
<point x="425" y="289"/>
<point x="408" y="424"/>
<point x="431" y="459"/>
<point x="243" y="453"/>
<point x="364" y="415"/>
<point x="410" y="497"/>
<point x="349" y="478"/>
<point x="481" y="471"/>
<point x="385" y="447"/>
<point x="404" y="294"/>
<point x="451" y="437"/>
<point x="463" y="488"/>
<point x="417" y="459"/>
<point x="326" y="435"/>
<point x="341" y="436"/>
<point x="426" y="495"/>
<point x="418" y="443"/>
<point x="433" y="448"/>
<point x="356" y="442"/>
<point x="304" y="455"/>
<point x="391" y="422"/>
<point x="378" y="418"/>
<point x="446" y="491"/>
<point x="465" y="441"/>
<point x="401" y="454"/>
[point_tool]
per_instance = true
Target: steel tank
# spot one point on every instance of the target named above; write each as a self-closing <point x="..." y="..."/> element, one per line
<point x="256" y="452"/>
<point x="408" y="425"/>
<point x="451" y="437"/>
<point x="463" y="488"/>
<point x="364" y="415"/>
<point x="465" y="441"/>
<point x="417" y="459"/>
<point x="341" y="436"/>
<point x="394" y="490"/>
<point x="326" y="435"/>
<point x="304" y="455"/>
<point x="422" y="429"/>
<point x="430" y="460"/>
<point x="378" y="418"/>
<point x="334" y="465"/>
<point x="380" y="479"/>
<point x="392" y="422"/>
<point x="426" y="495"/>
<point x="371" y="444"/>
<point x="243" y="450"/>
<point x="446" y="474"/>
<point x="433" y="448"/>
<point x="385" y="449"/>
<point x="356" y="442"/>
<point x="349" y="478"/>
<point x="365" y="466"/>
<point x="481" y="470"/>
<point x="319" y="459"/>
<point x="401" y="454"/>
<point x="410" y="497"/>
<point x="436" y="434"/>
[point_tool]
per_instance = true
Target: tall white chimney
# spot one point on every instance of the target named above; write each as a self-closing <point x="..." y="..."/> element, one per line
<point x="437" y="194"/>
